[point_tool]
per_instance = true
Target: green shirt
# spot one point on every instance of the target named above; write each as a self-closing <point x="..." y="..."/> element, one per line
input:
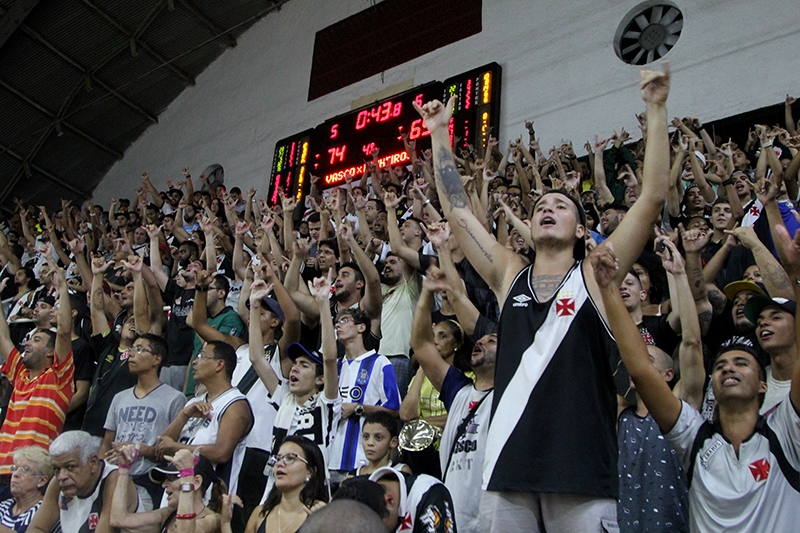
<point x="226" y="322"/>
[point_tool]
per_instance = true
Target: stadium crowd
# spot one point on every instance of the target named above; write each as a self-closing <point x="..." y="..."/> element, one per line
<point x="486" y="340"/>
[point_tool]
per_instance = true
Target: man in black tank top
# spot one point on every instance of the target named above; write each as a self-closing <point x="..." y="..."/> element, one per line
<point x="554" y="399"/>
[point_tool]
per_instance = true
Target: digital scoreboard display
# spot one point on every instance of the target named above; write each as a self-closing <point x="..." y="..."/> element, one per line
<point x="343" y="145"/>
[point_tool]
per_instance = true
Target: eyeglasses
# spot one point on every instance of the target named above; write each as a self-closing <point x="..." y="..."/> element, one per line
<point x="28" y="471"/>
<point x="344" y="320"/>
<point x="288" y="459"/>
<point x="202" y="356"/>
<point x="138" y="349"/>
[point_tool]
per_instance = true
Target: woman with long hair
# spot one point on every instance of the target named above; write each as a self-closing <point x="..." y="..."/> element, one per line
<point x="185" y="480"/>
<point x="300" y="488"/>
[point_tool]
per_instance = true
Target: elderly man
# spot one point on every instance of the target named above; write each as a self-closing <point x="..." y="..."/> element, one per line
<point x="79" y="495"/>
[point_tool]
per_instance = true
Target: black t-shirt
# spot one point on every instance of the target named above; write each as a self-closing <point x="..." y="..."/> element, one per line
<point x="111" y="376"/>
<point x="180" y="335"/>
<point x="656" y="330"/>
<point x="83" y="355"/>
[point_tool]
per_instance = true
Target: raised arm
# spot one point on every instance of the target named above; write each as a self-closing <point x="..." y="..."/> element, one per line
<point x="650" y="385"/>
<point x="493" y="261"/>
<point x="155" y="256"/>
<point x="258" y="291"/>
<point x="372" y="301"/>
<point x="773" y="275"/>
<point x="200" y="312"/>
<point x="690" y="386"/>
<point x="99" y="321"/>
<point x="141" y="313"/>
<point x="6" y="344"/>
<point x="63" y="348"/>
<point x="320" y="289"/>
<point x="791" y="125"/>
<point x="422" y="331"/>
<point x="399" y="247"/>
<point x="635" y="228"/>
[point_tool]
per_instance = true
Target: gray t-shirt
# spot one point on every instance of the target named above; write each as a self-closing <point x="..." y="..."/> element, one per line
<point x="143" y="419"/>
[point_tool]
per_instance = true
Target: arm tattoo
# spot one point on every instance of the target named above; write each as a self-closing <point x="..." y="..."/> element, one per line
<point x="545" y="286"/>
<point x="777" y="276"/>
<point x="97" y="299"/>
<point x="448" y="178"/>
<point x="705" y="321"/>
<point x="465" y="225"/>
<point x="718" y="300"/>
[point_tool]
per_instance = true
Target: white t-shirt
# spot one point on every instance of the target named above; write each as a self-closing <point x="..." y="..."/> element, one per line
<point x="755" y="491"/>
<point x="263" y="409"/>
<point x="777" y="391"/>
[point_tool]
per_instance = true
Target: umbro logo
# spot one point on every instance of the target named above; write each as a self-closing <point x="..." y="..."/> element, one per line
<point x="521" y="300"/>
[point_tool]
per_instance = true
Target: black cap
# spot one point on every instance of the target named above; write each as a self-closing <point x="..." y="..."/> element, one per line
<point x="295" y="350"/>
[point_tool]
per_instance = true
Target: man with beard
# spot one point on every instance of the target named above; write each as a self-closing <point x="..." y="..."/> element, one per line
<point x="468" y="406"/>
<point x="167" y="205"/>
<point x="179" y="294"/>
<point x="42" y="377"/>
<point x="400" y="285"/>
<point x="357" y="285"/>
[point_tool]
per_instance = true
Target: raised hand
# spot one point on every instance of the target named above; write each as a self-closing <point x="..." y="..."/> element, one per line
<point x="766" y="190"/>
<point x="228" y="501"/>
<point x="436" y="115"/>
<point x="604" y="262"/>
<point x="242" y="227"/>
<point x="435" y="280"/>
<point x="438" y="233"/>
<point x="391" y="200"/>
<point x="694" y="240"/>
<point x="320" y="288"/>
<point x="655" y="85"/>
<point x="153" y="231"/>
<point x="671" y="258"/>
<point x="301" y="247"/>
<point x="206" y="225"/>
<point x="259" y="290"/>
<point x="346" y="232"/>
<point x="99" y="264"/>
<point x="204" y="279"/>
<point x="600" y="144"/>
<point x="267" y="221"/>
<point x="288" y="202"/>
<point x="76" y="246"/>
<point x="789" y="100"/>
<point x="134" y="263"/>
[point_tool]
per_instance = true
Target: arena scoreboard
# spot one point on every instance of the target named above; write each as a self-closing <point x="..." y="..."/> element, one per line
<point x="342" y="146"/>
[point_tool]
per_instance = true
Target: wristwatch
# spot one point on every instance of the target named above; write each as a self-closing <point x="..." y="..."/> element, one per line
<point x="187" y="487"/>
<point x="359" y="410"/>
<point x="729" y="181"/>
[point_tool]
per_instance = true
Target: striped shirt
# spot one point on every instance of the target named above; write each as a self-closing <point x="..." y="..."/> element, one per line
<point x="17" y="523"/>
<point x="368" y="379"/>
<point x="37" y="407"/>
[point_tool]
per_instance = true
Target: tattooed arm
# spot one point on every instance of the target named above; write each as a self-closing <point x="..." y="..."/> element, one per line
<point x="493" y="261"/>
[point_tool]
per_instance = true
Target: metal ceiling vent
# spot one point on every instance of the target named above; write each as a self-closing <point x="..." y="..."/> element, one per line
<point x="648" y="32"/>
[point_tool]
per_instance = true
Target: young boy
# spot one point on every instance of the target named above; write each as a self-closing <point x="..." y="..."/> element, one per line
<point x="379" y="442"/>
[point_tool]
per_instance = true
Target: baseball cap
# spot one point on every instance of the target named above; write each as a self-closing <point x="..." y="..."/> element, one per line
<point x="295" y="350"/>
<point x="756" y="304"/>
<point x="735" y="287"/>
<point x="160" y="472"/>
<point x="273" y="306"/>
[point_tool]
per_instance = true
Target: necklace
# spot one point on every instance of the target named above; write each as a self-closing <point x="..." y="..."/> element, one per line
<point x="282" y="529"/>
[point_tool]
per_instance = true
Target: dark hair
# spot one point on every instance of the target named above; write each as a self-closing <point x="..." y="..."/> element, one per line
<point x="193" y="248"/>
<point x="461" y="359"/>
<point x="221" y="283"/>
<point x="158" y="346"/>
<point x="736" y="347"/>
<point x="315" y="489"/>
<point x="225" y="352"/>
<point x="51" y="337"/>
<point x="33" y="282"/>
<point x="362" y="490"/>
<point x="357" y="272"/>
<point x="385" y="419"/>
<point x="313" y="217"/>
<point x="616" y="207"/>
<point x="579" y="249"/>
<point x="332" y="244"/>
<point x="359" y="317"/>
<point x="236" y="190"/>
<point x="379" y="205"/>
<point x="77" y="302"/>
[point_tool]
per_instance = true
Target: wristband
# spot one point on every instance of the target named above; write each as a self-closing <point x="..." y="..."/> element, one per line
<point x="187" y="472"/>
<point x="187" y="516"/>
<point x="729" y="181"/>
<point x="426" y="202"/>
<point x="198" y="289"/>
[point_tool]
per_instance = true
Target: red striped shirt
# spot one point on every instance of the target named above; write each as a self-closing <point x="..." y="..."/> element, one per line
<point x="36" y="412"/>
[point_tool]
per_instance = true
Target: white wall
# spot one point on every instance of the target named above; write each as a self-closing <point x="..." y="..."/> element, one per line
<point x="559" y="68"/>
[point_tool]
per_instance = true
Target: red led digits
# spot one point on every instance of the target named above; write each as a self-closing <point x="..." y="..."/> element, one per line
<point x="337" y="153"/>
<point x="381" y="113"/>
<point x="335" y="131"/>
<point x="418" y="129"/>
